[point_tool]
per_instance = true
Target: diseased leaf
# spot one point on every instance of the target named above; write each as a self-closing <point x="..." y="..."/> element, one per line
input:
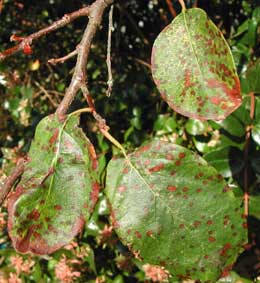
<point x="57" y="191"/>
<point x="193" y="68"/>
<point x="174" y="210"/>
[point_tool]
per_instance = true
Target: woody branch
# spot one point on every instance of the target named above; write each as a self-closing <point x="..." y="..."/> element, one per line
<point x="95" y="13"/>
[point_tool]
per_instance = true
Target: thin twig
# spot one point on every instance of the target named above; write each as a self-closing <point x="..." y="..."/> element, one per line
<point x="142" y="62"/>
<point x="100" y="120"/>
<point x="55" y="61"/>
<point x="42" y="89"/>
<point x="108" y="60"/>
<point x="96" y="11"/>
<point x="246" y="152"/>
<point x="10" y="181"/>
<point x="66" y="19"/>
<point x="171" y="8"/>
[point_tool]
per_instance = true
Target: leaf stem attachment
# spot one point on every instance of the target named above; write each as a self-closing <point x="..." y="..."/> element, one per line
<point x="183" y="6"/>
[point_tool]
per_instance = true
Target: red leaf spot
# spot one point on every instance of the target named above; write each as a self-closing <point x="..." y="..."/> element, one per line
<point x="57" y="207"/>
<point x="185" y="197"/>
<point x="199" y="190"/>
<point x="226" y="221"/>
<point x="129" y="231"/>
<point x="226" y="247"/>
<point x="121" y="189"/>
<point x="144" y="148"/>
<point x="169" y="156"/>
<point x="233" y="94"/>
<point x="211" y="239"/>
<point x="42" y="201"/>
<point x="178" y="163"/>
<point x="156" y="168"/>
<point x="94" y="193"/>
<point x="185" y="189"/>
<point x="54" y="137"/>
<point x="34" y="215"/>
<point x="181" y="226"/>
<point x="126" y="170"/>
<point x="149" y="233"/>
<point x="244" y="225"/>
<point x="171" y="188"/>
<point x="173" y="173"/>
<point x="182" y="155"/>
<point x="226" y="189"/>
<point x="114" y="222"/>
<point x="27" y="49"/>
<point x="138" y="234"/>
<point x="215" y="100"/>
<point x="206" y="256"/>
<point x="199" y="175"/>
<point x="226" y="271"/>
<point x="196" y="224"/>
<point x="209" y="222"/>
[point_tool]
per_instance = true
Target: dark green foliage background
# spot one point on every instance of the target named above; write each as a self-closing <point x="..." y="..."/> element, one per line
<point x="135" y="111"/>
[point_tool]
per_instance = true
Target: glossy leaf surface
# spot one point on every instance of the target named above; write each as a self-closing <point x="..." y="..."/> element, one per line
<point x="193" y="68"/>
<point x="57" y="191"/>
<point x="172" y="209"/>
<point x="256" y="124"/>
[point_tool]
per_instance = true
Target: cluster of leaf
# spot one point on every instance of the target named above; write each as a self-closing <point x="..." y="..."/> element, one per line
<point x="145" y="115"/>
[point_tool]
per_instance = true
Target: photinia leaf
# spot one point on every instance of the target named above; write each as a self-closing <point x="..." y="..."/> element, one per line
<point x="57" y="191"/>
<point x="174" y="210"/>
<point x="193" y="68"/>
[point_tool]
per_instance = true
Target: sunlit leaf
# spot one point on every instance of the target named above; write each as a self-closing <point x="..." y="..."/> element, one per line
<point x="174" y="210"/>
<point x="193" y="68"/>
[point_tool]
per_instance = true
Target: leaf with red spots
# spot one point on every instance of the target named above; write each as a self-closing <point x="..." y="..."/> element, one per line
<point x="57" y="191"/>
<point x="176" y="212"/>
<point x="193" y="68"/>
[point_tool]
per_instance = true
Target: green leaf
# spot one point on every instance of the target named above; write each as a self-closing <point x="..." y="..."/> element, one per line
<point x="256" y="124"/>
<point x="228" y="161"/>
<point x="172" y="209"/>
<point x="164" y="125"/>
<point x="193" y="68"/>
<point x="196" y="127"/>
<point x="57" y="191"/>
<point x="253" y="77"/>
<point x="254" y="206"/>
